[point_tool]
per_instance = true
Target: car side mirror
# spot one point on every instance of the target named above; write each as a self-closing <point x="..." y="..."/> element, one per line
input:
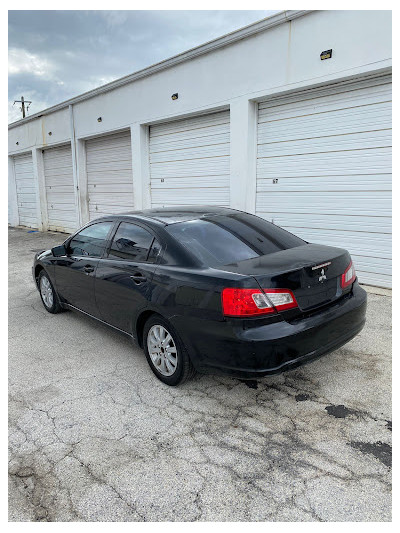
<point x="59" y="251"/>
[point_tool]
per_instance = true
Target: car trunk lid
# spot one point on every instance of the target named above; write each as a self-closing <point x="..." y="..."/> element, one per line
<point x="312" y="272"/>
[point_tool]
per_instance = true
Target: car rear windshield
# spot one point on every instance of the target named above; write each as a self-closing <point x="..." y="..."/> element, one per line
<point x="225" y="240"/>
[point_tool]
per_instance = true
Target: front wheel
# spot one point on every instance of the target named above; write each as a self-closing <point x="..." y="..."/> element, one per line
<point x="165" y="352"/>
<point x="48" y="294"/>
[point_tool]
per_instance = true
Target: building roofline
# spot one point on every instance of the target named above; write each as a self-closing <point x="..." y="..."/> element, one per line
<point x="214" y="44"/>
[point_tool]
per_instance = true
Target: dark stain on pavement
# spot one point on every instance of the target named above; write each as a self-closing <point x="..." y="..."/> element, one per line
<point x="380" y="450"/>
<point x="301" y="397"/>
<point x="340" y="411"/>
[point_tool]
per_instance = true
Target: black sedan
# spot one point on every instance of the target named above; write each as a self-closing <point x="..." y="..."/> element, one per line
<point x="206" y="289"/>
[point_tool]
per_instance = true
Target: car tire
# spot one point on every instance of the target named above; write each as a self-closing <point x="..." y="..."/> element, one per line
<point x="165" y="352"/>
<point x="48" y="294"/>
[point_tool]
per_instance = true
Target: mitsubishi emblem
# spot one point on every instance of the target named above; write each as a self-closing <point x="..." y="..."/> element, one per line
<point x="322" y="266"/>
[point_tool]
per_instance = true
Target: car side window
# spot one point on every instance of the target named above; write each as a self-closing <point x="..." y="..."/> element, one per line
<point x="131" y="242"/>
<point x="91" y="241"/>
<point x="154" y="251"/>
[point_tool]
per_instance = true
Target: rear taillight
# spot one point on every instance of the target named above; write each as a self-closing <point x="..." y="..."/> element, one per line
<point x="253" y="302"/>
<point x="349" y="275"/>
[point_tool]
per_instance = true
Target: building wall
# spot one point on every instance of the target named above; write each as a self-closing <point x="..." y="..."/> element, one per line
<point x="280" y="59"/>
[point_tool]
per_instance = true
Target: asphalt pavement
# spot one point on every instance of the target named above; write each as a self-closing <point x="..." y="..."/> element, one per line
<point x="94" y="436"/>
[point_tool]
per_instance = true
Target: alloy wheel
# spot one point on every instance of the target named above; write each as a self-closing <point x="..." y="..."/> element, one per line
<point x="162" y="350"/>
<point x="46" y="291"/>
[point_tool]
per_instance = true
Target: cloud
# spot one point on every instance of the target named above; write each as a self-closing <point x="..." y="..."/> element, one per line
<point x="20" y="60"/>
<point x="56" y="55"/>
<point x="114" y="18"/>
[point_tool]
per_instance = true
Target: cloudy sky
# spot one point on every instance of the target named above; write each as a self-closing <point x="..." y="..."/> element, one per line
<point x="55" y="55"/>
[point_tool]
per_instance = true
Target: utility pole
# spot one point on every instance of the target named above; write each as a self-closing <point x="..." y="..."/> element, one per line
<point x="23" y="102"/>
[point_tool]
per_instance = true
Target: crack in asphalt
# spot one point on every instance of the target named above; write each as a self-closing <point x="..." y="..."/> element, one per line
<point x="285" y="451"/>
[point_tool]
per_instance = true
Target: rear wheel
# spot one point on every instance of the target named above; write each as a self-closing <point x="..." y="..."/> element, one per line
<point x="165" y="352"/>
<point x="48" y="294"/>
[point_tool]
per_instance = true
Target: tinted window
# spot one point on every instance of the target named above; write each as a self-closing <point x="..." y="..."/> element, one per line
<point x="91" y="241"/>
<point x="223" y="240"/>
<point x="131" y="242"/>
<point x="154" y="251"/>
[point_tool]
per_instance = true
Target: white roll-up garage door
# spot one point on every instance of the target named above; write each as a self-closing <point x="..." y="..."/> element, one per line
<point x="26" y="191"/>
<point x="109" y="174"/>
<point x="60" y="197"/>
<point x="189" y="161"/>
<point x="324" y="170"/>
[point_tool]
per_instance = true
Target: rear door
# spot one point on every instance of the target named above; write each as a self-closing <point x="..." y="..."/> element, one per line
<point x="75" y="272"/>
<point x="124" y="275"/>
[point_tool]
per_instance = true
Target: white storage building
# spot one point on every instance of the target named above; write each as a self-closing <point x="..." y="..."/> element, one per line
<point x="261" y="123"/>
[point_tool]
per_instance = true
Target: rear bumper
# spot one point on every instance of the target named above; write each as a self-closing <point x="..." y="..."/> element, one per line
<point x="228" y="348"/>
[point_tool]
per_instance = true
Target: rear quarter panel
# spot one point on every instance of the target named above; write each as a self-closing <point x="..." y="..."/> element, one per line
<point x="193" y="292"/>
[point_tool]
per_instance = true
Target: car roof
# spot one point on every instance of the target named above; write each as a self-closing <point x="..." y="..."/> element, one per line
<point x="172" y="215"/>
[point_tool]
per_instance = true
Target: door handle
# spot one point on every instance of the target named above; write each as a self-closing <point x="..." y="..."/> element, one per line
<point x="138" y="278"/>
<point x="88" y="269"/>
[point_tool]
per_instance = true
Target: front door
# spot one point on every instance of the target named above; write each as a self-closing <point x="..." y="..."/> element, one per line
<point x="75" y="272"/>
